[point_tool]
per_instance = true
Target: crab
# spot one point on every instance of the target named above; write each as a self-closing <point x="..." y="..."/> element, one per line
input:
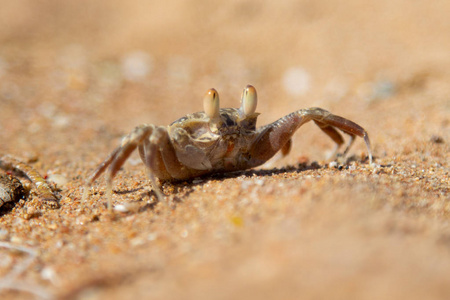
<point x="218" y="140"/>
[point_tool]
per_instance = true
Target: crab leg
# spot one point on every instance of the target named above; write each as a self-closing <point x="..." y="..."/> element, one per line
<point x="117" y="158"/>
<point x="160" y="157"/>
<point x="273" y="137"/>
<point x="336" y="137"/>
<point x="147" y="156"/>
<point x="153" y="160"/>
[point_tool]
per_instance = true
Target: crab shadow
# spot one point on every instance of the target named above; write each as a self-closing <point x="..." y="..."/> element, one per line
<point x="179" y="190"/>
<point x="266" y="172"/>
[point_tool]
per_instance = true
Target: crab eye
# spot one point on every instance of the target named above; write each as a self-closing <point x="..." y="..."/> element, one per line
<point x="211" y="104"/>
<point x="249" y="100"/>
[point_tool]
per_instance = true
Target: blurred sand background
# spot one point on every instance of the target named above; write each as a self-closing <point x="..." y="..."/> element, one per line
<point x="75" y="76"/>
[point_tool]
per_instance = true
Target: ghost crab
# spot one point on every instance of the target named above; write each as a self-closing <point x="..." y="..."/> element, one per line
<point x="218" y="140"/>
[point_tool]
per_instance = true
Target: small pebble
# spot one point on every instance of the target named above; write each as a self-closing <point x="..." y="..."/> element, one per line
<point x="333" y="164"/>
<point x="137" y="241"/>
<point x="127" y="207"/>
<point x="49" y="274"/>
<point x="120" y="208"/>
<point x="436" y="139"/>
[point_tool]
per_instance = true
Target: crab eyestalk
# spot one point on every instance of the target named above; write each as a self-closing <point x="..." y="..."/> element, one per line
<point x="211" y="104"/>
<point x="249" y="100"/>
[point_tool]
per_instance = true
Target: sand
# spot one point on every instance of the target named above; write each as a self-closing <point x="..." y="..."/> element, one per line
<point x="75" y="77"/>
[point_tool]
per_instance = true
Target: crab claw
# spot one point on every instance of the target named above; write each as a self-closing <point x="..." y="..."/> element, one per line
<point x="249" y="100"/>
<point x="211" y="104"/>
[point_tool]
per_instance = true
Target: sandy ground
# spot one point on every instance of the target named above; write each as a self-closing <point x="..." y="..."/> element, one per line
<point x="75" y="76"/>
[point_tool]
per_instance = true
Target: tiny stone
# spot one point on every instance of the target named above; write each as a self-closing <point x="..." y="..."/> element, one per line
<point x="127" y="207"/>
<point x="49" y="273"/>
<point x="121" y="208"/>
<point x="333" y="164"/>
<point x="436" y="139"/>
<point x="138" y="241"/>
